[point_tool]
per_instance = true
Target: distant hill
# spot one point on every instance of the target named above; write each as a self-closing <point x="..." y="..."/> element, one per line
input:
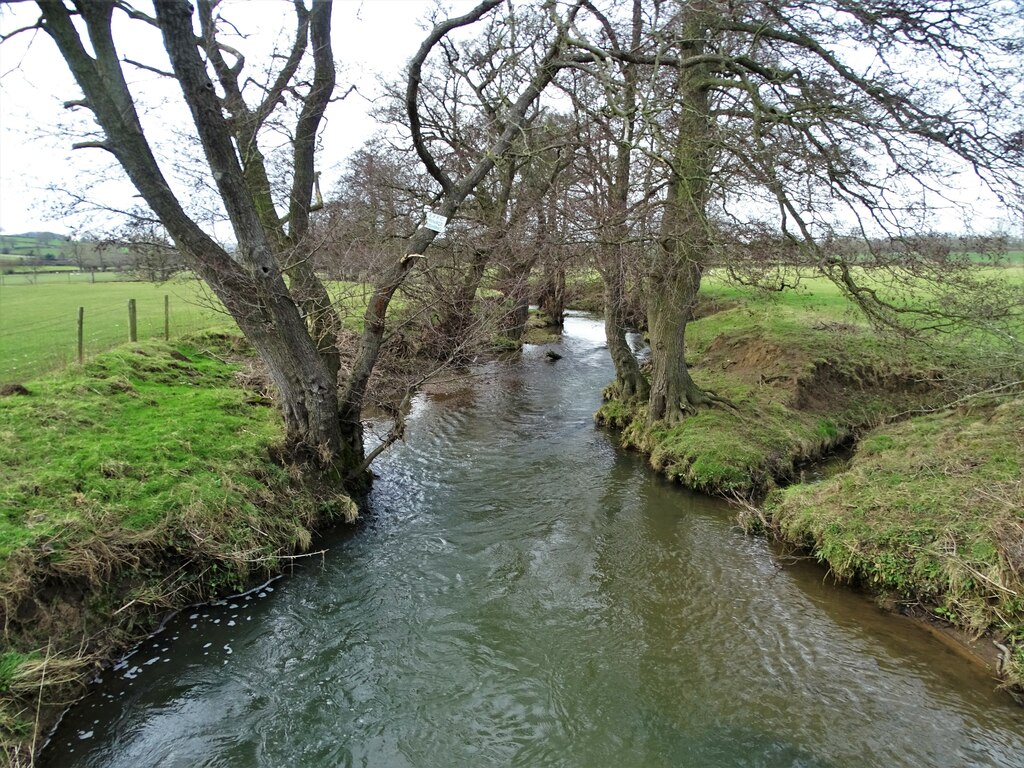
<point x="47" y="246"/>
<point x="42" y="236"/>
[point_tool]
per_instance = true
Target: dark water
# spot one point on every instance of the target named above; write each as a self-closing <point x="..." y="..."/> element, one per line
<point x="528" y="595"/>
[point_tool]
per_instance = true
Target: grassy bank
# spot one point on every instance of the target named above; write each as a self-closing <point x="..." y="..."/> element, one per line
<point x="139" y="482"/>
<point x="803" y="372"/>
<point x="929" y="512"/>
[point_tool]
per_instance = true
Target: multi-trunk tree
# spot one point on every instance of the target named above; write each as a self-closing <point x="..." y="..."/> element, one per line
<point x="290" y="322"/>
<point x="785" y="123"/>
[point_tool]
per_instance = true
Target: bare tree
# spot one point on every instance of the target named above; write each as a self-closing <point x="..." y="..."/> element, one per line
<point x="463" y="100"/>
<point x="293" y="326"/>
<point x="605" y="102"/>
<point x="811" y="110"/>
<point x="249" y="281"/>
<point x="459" y="180"/>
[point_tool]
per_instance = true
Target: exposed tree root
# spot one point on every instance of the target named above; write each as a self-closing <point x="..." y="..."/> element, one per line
<point x="696" y="397"/>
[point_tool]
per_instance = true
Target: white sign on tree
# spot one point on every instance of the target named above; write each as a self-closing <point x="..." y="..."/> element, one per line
<point x="436" y="222"/>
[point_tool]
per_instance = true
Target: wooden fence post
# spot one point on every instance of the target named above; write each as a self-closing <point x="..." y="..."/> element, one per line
<point x="132" y="327"/>
<point x="167" y="317"/>
<point x="81" y="335"/>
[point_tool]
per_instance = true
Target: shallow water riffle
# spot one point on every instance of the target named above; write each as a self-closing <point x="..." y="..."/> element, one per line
<point x="525" y="593"/>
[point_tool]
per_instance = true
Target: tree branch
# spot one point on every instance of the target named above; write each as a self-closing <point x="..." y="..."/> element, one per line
<point x="413" y="85"/>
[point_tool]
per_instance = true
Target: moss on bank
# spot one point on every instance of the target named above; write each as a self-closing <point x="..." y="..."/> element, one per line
<point x="802" y="375"/>
<point x="139" y="482"/>
<point x="930" y="512"/>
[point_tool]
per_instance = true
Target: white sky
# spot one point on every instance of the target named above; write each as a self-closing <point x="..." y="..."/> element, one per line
<point x="370" y="37"/>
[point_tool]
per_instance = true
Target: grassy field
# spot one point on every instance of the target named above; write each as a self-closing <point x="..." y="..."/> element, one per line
<point x="57" y="276"/>
<point x="38" y="322"/>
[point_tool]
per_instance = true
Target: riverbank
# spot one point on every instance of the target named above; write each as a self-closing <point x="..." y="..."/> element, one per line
<point x="928" y="512"/>
<point x="143" y="481"/>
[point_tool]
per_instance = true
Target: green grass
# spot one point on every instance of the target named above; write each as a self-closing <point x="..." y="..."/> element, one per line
<point x="97" y="435"/>
<point x="38" y="322"/>
<point x="1012" y="258"/>
<point x="19" y="267"/>
<point x="10" y="663"/>
<point x="135" y="436"/>
<point x="143" y="479"/>
<point x="803" y="371"/>
<point x="931" y="512"/>
<point x="11" y="276"/>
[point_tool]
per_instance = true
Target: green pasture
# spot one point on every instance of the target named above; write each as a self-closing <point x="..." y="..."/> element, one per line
<point x="39" y="321"/>
<point x="1012" y="259"/>
<point x="820" y="297"/>
<point x="18" y="266"/>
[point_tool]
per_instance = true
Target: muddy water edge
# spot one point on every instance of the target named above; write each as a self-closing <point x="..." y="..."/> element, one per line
<point x="525" y="593"/>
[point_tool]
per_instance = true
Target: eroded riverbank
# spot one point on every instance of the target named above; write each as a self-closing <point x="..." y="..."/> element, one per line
<point x="929" y="512"/>
<point x="132" y="485"/>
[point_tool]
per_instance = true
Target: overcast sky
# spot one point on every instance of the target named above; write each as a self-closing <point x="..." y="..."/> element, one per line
<point x="370" y="37"/>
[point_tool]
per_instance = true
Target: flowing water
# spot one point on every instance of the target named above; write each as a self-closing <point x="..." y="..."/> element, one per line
<point x="527" y="594"/>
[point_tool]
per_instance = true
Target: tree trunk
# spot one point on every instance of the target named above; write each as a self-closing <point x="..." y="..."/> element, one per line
<point x="552" y="298"/>
<point x="319" y="312"/>
<point x="268" y="316"/>
<point x="670" y="308"/>
<point x="308" y="392"/>
<point x="678" y="264"/>
<point x="629" y="381"/>
<point x="455" y="325"/>
<point x="515" y="286"/>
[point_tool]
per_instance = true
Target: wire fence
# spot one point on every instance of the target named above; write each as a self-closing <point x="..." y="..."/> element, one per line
<point x="47" y="326"/>
<point x="20" y="276"/>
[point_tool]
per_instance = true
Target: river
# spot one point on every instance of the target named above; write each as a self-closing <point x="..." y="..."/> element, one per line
<point x="524" y="593"/>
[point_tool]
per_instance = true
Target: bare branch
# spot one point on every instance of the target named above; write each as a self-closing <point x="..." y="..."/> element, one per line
<point x="92" y="145"/>
<point x="147" y="67"/>
<point x="14" y="33"/>
<point x="414" y="78"/>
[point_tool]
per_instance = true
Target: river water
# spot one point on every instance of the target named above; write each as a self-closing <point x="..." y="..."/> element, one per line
<point x="524" y="593"/>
